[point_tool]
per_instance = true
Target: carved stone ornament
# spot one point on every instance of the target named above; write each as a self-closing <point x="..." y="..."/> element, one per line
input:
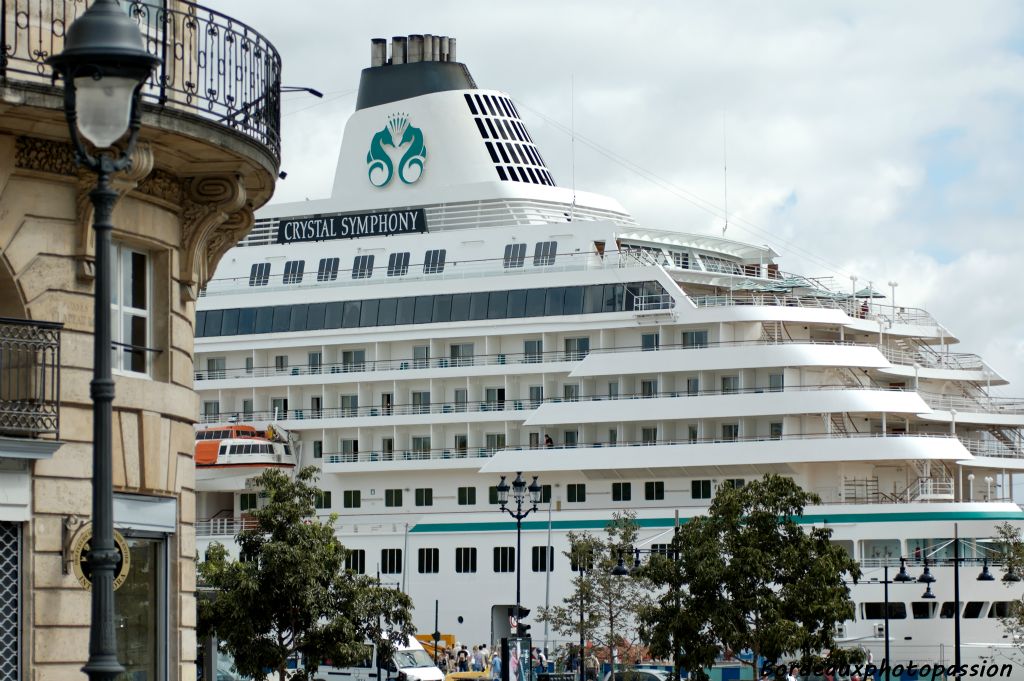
<point x="45" y="156"/>
<point x="214" y="218"/>
<point x="122" y="182"/>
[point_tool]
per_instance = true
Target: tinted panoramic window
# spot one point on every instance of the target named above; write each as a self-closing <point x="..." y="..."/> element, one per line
<point x="482" y="305"/>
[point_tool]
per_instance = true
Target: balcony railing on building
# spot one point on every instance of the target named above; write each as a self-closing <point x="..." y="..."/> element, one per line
<point x="213" y="66"/>
<point x="29" y="378"/>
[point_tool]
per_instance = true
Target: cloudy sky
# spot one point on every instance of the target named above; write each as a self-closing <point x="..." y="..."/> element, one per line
<point x="878" y="139"/>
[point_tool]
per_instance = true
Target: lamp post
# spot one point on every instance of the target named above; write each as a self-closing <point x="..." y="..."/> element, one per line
<point x="620" y="570"/>
<point x="519" y="496"/>
<point x="103" y="65"/>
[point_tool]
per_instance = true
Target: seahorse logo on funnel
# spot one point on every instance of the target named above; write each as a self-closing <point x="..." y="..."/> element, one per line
<point x="398" y="144"/>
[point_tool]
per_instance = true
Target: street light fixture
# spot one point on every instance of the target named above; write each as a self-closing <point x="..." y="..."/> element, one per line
<point x="520" y="490"/>
<point x="104" y="65"/>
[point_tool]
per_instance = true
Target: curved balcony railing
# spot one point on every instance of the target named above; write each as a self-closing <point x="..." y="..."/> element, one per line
<point x="434" y="454"/>
<point x="1013" y="406"/>
<point x="853" y="308"/>
<point x="496" y="359"/>
<point x="212" y="65"/>
<point x="29" y="378"/>
<point x="509" y="404"/>
<point x="960" y="361"/>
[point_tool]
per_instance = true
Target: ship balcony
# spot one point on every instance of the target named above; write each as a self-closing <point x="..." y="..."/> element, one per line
<point x="30" y="369"/>
<point x="981" y="410"/>
<point x="214" y="67"/>
<point x="923" y="363"/>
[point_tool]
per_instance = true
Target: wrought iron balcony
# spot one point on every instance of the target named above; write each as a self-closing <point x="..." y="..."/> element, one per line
<point x="213" y="65"/>
<point x="29" y="378"/>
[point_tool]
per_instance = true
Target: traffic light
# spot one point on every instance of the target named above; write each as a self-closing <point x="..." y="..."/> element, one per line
<point x="522" y="630"/>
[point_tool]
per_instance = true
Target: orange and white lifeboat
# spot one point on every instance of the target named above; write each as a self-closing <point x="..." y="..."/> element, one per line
<point x="226" y="456"/>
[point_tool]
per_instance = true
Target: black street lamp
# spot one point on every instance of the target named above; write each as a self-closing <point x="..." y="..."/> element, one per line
<point x="519" y="496"/>
<point x="104" y="65"/>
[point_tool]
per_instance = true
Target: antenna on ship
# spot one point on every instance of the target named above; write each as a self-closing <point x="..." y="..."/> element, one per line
<point x="572" y="138"/>
<point x="725" y="175"/>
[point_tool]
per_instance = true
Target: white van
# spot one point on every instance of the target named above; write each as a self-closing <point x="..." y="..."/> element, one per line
<point x="410" y="663"/>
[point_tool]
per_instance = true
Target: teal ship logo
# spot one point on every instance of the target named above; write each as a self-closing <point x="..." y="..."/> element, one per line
<point x="398" y="144"/>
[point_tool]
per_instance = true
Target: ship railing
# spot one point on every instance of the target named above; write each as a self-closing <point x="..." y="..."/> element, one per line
<point x="448" y="270"/>
<point x="224" y="526"/>
<point x="255" y="459"/>
<point x="495" y="359"/>
<point x="212" y="65"/>
<point x="994" y="560"/>
<point x="852" y="308"/>
<point x="992" y="448"/>
<point x="981" y="404"/>
<point x="486" y="452"/>
<point x="30" y="369"/>
<point x="506" y="404"/>
<point x="959" y="361"/>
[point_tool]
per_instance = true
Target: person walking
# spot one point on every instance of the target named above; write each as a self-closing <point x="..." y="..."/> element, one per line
<point x="590" y="667"/>
<point x="496" y="666"/>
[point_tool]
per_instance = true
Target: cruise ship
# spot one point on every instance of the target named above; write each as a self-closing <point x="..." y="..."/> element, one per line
<point x="452" y="314"/>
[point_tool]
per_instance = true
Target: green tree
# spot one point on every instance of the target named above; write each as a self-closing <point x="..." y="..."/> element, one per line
<point x="291" y="594"/>
<point x="749" y="577"/>
<point x="1011" y="553"/>
<point x="609" y="603"/>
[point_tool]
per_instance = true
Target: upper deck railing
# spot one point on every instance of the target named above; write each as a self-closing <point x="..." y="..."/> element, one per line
<point x="212" y="65"/>
<point x="886" y="314"/>
<point x="29" y="378"/>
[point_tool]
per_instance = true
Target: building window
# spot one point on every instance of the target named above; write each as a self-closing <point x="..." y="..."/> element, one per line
<point x="544" y="253"/>
<point x="393" y="497"/>
<point x="695" y="339"/>
<point x="622" y="491"/>
<point x="649" y="341"/>
<point x="259" y="274"/>
<point x="280" y="362"/>
<point x="433" y="261"/>
<point x="775" y="431"/>
<point x="427" y="560"/>
<point x="700" y="489"/>
<point x="515" y="255"/>
<point x="465" y="559"/>
<point x="543" y="559"/>
<point x="649" y="436"/>
<point x="504" y="559"/>
<point x="328" y="269"/>
<point x="398" y="264"/>
<point x="129" y="308"/>
<point x="730" y="431"/>
<point x="776" y="382"/>
<point x="533" y="351"/>
<point x="576" y="493"/>
<point x="318" y="449"/>
<point x="654" y="491"/>
<point x="730" y="384"/>
<point x="323" y="499"/>
<point x="391" y="561"/>
<point x="467" y="496"/>
<point x="247" y="501"/>
<point x="576" y="348"/>
<point x="362" y="267"/>
<point x="356" y="561"/>
<point x="352" y="498"/>
<point x="424" y="496"/>
<point x="293" y="270"/>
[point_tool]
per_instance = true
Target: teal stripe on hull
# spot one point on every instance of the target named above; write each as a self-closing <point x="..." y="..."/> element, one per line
<point x="598" y="524"/>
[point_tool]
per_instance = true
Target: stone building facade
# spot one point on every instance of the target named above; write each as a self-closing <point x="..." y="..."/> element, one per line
<point x="204" y="163"/>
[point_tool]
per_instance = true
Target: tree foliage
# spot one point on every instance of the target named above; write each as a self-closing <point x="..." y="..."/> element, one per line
<point x="1011" y="553"/>
<point x="749" y="577"/>
<point x="609" y="603"/>
<point x="291" y="595"/>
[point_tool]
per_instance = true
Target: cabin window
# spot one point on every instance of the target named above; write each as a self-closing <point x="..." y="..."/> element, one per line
<point x="655" y="490"/>
<point x="323" y="499"/>
<point x="433" y="261"/>
<point x="515" y="255"/>
<point x="544" y="253"/>
<point x="356" y="561"/>
<point x="391" y="561"/>
<point x="695" y="339"/>
<point x="398" y="264"/>
<point x="393" y="497"/>
<point x="504" y="559"/>
<point x="362" y="267"/>
<point x="543" y="558"/>
<point x="328" y="269"/>
<point x="424" y="496"/>
<point x="259" y="274"/>
<point x="649" y="341"/>
<point x="576" y="493"/>
<point x="247" y="502"/>
<point x="350" y="498"/>
<point x="293" y="270"/>
<point x="700" y="489"/>
<point x="465" y="559"/>
<point x="622" y="491"/>
<point x="467" y="496"/>
<point x="876" y="611"/>
<point x="428" y="560"/>
<point x="318" y="449"/>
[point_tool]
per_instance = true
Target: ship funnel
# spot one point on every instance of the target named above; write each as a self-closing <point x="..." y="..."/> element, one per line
<point x="378" y="51"/>
<point x="428" y="65"/>
<point x="412" y="49"/>
<point x="415" y="49"/>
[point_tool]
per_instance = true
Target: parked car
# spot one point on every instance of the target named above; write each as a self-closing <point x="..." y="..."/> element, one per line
<point x="639" y="675"/>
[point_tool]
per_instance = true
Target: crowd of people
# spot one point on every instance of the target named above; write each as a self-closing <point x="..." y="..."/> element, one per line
<point x="480" y="658"/>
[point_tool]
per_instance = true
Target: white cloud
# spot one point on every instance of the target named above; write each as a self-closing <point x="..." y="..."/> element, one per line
<point x="884" y="138"/>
